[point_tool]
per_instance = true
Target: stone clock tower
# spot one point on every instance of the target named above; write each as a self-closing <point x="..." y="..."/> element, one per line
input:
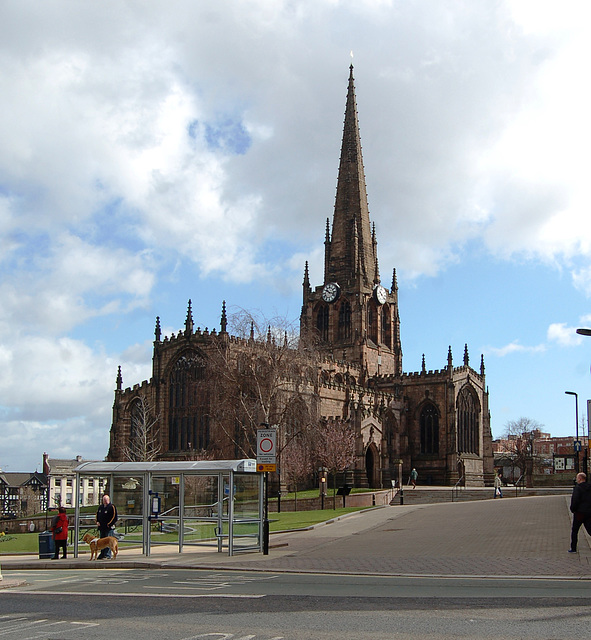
<point x="352" y="314"/>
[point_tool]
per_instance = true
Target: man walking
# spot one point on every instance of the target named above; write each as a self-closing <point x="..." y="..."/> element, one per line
<point x="580" y="506"/>
<point x="106" y="517"/>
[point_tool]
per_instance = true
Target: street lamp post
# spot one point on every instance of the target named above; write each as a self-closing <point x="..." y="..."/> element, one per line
<point x="572" y="393"/>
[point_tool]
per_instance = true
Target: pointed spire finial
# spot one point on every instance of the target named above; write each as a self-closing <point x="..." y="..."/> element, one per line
<point x="482" y="364"/>
<point x="423" y="368"/>
<point x="189" y="320"/>
<point x="252" y="329"/>
<point x="157" y="330"/>
<point x="449" y="358"/>
<point x="119" y="381"/>
<point x="306" y="277"/>
<point x="224" y="320"/>
<point x="269" y="335"/>
<point x="466" y="356"/>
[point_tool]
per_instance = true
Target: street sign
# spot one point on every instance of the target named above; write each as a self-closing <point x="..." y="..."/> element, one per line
<point x="578" y="445"/>
<point x="266" y="446"/>
<point x="266" y="467"/>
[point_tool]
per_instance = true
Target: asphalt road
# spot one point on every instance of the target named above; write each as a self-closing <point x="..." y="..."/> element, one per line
<point x="233" y="605"/>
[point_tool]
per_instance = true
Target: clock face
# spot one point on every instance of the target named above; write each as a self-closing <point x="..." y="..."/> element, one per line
<point x="380" y="294"/>
<point x="331" y="292"/>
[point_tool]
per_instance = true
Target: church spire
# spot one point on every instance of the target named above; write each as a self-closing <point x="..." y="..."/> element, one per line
<point x="350" y="254"/>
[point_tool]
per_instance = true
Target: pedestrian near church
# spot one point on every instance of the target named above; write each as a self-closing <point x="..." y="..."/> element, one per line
<point x="106" y="517"/>
<point x="414" y="474"/>
<point x="580" y="506"/>
<point x="498" y="486"/>
<point x="59" y="529"/>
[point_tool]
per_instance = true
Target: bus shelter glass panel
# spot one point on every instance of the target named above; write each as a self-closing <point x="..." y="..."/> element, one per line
<point x="127" y="494"/>
<point x="202" y="509"/>
<point x="247" y="516"/>
<point x="164" y="505"/>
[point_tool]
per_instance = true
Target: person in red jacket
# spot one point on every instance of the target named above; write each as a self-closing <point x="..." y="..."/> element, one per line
<point x="59" y="527"/>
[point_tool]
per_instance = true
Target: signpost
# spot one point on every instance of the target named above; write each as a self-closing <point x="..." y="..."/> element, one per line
<point x="266" y="461"/>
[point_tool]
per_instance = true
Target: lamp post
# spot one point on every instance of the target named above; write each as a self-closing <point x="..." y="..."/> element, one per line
<point x="572" y="393"/>
<point x="586" y="332"/>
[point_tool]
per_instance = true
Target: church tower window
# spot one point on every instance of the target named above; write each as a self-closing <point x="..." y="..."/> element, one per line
<point x="345" y="321"/>
<point x="386" y="327"/>
<point x="429" y="423"/>
<point x="372" y="323"/>
<point x="322" y="323"/>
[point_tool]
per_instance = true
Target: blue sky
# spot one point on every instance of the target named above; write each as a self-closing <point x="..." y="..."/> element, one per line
<point x="151" y="154"/>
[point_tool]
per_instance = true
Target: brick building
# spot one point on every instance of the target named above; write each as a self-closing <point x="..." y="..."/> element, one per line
<point x="437" y="421"/>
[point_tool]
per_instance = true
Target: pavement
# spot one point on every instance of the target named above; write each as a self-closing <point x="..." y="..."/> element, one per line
<point x="517" y="537"/>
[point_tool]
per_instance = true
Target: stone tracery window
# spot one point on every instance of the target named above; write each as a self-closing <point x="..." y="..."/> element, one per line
<point x="345" y="320"/>
<point x="372" y="323"/>
<point x="429" y="426"/>
<point x="322" y="323"/>
<point x="386" y="327"/>
<point x="468" y="414"/>
<point x="188" y="418"/>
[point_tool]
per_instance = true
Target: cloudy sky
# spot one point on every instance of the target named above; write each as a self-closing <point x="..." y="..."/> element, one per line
<point x="153" y="152"/>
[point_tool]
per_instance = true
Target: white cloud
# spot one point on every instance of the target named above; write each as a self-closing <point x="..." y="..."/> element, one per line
<point x="513" y="347"/>
<point x="562" y="334"/>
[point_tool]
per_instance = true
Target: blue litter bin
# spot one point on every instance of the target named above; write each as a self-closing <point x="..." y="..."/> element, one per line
<point x="46" y="545"/>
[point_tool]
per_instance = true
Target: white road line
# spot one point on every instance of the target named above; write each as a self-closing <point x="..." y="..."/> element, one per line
<point x="134" y="595"/>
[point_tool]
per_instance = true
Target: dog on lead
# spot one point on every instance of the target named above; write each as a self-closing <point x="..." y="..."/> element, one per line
<point x="98" y="544"/>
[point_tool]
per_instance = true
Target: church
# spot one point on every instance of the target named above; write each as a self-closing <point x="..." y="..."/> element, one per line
<point x="437" y="422"/>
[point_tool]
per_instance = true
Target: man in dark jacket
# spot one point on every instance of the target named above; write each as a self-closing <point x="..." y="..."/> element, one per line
<point x="106" y="517"/>
<point x="580" y="506"/>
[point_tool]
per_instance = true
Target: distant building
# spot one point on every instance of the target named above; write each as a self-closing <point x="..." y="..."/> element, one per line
<point x="61" y="477"/>
<point x="549" y="454"/>
<point x="434" y="420"/>
<point x="22" y="494"/>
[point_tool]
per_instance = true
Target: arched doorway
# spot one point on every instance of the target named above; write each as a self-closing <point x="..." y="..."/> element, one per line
<point x="372" y="466"/>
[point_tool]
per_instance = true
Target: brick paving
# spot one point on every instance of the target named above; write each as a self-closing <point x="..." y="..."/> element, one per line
<point x="526" y="536"/>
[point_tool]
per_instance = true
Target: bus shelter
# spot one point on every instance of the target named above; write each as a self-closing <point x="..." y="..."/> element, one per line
<point x="189" y="504"/>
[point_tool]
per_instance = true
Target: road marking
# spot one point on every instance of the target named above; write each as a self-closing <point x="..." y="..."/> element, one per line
<point x="132" y="595"/>
<point x="10" y="625"/>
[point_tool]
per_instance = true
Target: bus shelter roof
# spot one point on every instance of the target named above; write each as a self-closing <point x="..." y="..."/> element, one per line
<point x="179" y="466"/>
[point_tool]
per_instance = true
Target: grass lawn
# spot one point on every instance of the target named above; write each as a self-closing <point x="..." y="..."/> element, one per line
<point x="285" y="521"/>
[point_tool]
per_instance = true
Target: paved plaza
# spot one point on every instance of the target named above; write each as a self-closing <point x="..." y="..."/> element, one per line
<point x="526" y="536"/>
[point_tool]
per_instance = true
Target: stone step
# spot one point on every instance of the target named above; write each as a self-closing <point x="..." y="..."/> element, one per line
<point x="430" y="495"/>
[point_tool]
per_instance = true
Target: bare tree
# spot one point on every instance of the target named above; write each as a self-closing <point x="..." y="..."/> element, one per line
<point x="297" y="463"/>
<point x="335" y="447"/>
<point x="518" y="442"/>
<point x="143" y="442"/>
<point x="263" y="376"/>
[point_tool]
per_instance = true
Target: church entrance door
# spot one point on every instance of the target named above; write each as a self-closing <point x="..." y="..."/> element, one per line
<point x="370" y="466"/>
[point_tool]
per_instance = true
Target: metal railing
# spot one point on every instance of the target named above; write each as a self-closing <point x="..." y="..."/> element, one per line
<point x="455" y="491"/>
<point x="520" y="484"/>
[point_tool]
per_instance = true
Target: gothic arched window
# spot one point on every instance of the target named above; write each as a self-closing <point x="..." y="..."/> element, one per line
<point x="468" y="422"/>
<point x="188" y="418"/>
<point x="345" y="321"/>
<point x="372" y="323"/>
<point x="429" y="425"/>
<point x="322" y="323"/>
<point x="386" y="327"/>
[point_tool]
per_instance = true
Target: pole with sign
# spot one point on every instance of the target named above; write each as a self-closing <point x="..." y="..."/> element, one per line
<point x="266" y="461"/>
